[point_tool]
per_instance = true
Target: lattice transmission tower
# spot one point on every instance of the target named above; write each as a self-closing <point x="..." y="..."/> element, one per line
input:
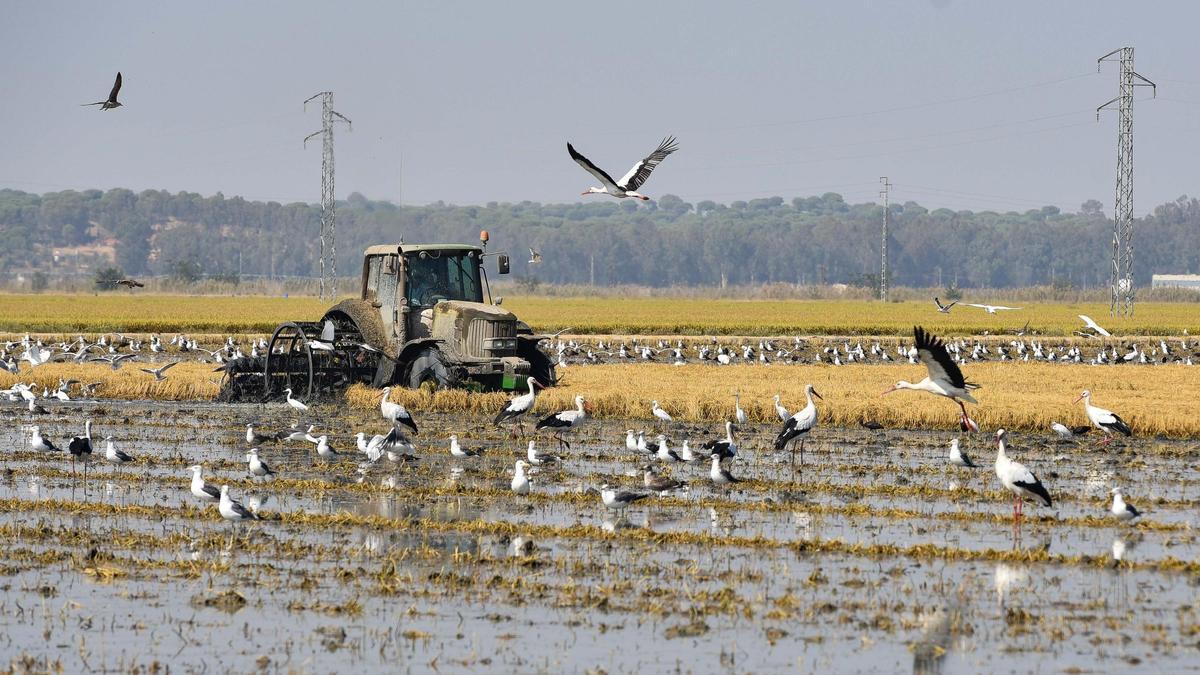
<point x="328" y="220"/>
<point x="883" y="265"/>
<point x="1121" y="291"/>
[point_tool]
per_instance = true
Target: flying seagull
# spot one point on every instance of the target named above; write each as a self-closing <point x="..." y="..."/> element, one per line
<point x="990" y="309"/>
<point x="944" y="309"/>
<point x="1094" y="326"/>
<point x="112" y="101"/>
<point x="630" y="182"/>
<point x="535" y="256"/>
<point x="158" y="372"/>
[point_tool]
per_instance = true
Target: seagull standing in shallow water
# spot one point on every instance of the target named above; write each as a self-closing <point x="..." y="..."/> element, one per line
<point x="233" y="510"/>
<point x="200" y="489"/>
<point x="1122" y="511"/>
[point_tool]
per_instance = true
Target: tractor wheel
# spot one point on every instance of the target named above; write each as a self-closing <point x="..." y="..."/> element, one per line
<point x="429" y="367"/>
<point x="541" y="368"/>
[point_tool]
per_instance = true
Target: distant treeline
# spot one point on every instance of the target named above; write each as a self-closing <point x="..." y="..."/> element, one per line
<point x="667" y="242"/>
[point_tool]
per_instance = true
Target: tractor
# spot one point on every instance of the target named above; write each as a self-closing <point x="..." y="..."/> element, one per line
<point x="419" y="318"/>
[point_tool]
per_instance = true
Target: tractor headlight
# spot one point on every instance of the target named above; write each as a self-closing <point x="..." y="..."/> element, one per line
<point x="501" y="344"/>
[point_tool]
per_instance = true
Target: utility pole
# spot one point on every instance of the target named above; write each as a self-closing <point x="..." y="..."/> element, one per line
<point x="327" y="198"/>
<point x="883" y="267"/>
<point x="1122" y="255"/>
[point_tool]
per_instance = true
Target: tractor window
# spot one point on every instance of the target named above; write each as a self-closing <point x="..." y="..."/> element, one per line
<point x="441" y="275"/>
<point x="373" y="264"/>
<point x="386" y="293"/>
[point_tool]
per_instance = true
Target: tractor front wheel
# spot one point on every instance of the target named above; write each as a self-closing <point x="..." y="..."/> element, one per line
<point x="429" y="367"/>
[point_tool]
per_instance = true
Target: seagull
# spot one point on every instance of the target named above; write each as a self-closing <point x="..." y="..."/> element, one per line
<point x="200" y="490"/>
<point x="945" y="309"/>
<point x="619" y="500"/>
<point x="40" y="443"/>
<point x="158" y="372"/>
<point x="661" y="414"/>
<point x="296" y="405"/>
<point x="944" y="379"/>
<point x="1017" y="479"/>
<point x="1061" y="429"/>
<point x="112" y="101"/>
<point x="1104" y="420"/>
<point x="991" y="309"/>
<point x="659" y="484"/>
<point x="798" y="425"/>
<point x="539" y="458"/>
<point x="256" y="466"/>
<point x="664" y="452"/>
<point x="535" y="256"/>
<point x="719" y="474"/>
<point x="519" y="405"/>
<point x="459" y="452"/>
<point x="324" y="450"/>
<point x="520" y="482"/>
<point x="628" y="185"/>
<point x="1093" y="325"/>
<point x="958" y="457"/>
<point x="233" y="510"/>
<point x="254" y="438"/>
<point x="395" y="412"/>
<point x="1123" y="512"/>
<point x="113" y="454"/>
<point x="564" y="421"/>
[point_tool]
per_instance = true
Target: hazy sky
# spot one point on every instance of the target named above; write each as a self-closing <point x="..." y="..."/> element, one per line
<point x="981" y="105"/>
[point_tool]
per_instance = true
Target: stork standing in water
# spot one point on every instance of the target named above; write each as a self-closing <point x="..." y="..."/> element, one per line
<point x="395" y="412"/>
<point x="798" y="426"/>
<point x="944" y="379"/>
<point x="564" y="421"/>
<point x="1018" y="480"/>
<point x="518" y="406"/>
<point x="80" y="448"/>
<point x="1104" y="420"/>
<point x="630" y="182"/>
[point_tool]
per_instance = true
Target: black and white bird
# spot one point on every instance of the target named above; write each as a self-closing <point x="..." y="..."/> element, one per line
<point x="80" y="447"/>
<point x="659" y="484"/>
<point x="1104" y="420"/>
<point x="200" y="489"/>
<point x="719" y="474"/>
<point x="535" y="256"/>
<point x="112" y="101"/>
<point x="113" y="454"/>
<point x="1017" y="479"/>
<point x="619" y="500"/>
<point x="566" y="420"/>
<point x="394" y="412"/>
<point x="726" y="448"/>
<point x="944" y="309"/>
<point x="537" y="458"/>
<point x="958" y="457"/>
<point x="630" y="182"/>
<point x="255" y="438"/>
<point x="1122" y="511"/>
<point x="231" y="509"/>
<point x="158" y="372"/>
<point x="256" y="466"/>
<point x="518" y="406"/>
<point x="40" y="443"/>
<point x="459" y="452"/>
<point x="944" y="379"/>
<point x="798" y="425"/>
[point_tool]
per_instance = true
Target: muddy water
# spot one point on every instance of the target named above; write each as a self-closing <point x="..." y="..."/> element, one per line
<point x="872" y="556"/>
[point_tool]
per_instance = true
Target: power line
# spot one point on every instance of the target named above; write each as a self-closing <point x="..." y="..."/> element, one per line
<point x="328" y="204"/>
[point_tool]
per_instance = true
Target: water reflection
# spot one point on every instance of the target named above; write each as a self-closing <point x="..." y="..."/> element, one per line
<point x="1009" y="578"/>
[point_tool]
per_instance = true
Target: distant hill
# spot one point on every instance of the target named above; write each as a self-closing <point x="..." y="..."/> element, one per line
<point x="661" y="243"/>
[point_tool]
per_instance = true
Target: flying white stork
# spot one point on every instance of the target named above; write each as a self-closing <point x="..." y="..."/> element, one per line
<point x="630" y="182"/>
<point x="1094" y="326"/>
<point x="944" y="379"/>
<point x="1104" y="420"/>
<point x="991" y="309"/>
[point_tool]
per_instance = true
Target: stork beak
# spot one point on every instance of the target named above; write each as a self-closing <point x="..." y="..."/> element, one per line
<point x="582" y="194"/>
<point x="1077" y="400"/>
<point x="818" y="395"/>
<point x="888" y="390"/>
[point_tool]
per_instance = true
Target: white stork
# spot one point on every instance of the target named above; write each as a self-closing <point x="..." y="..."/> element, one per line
<point x="798" y="425"/>
<point x="991" y="309"/>
<point x="1017" y="479"/>
<point x="1094" y="326"/>
<point x="630" y="182"/>
<point x="395" y="412"/>
<point x="944" y="379"/>
<point x="518" y="406"/>
<point x="564" y="421"/>
<point x="1104" y="420"/>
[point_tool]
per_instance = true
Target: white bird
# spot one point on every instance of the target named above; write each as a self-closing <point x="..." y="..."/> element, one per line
<point x="460" y="452"/>
<point x="519" y="405"/>
<point x="254" y="438"/>
<point x="725" y="447"/>
<point x="295" y="404"/>
<point x="564" y="421"/>
<point x="1017" y="479"/>
<point x="158" y="372"/>
<point x="719" y="474"/>
<point x="520" y="482"/>
<point x="539" y="458"/>
<point x="991" y="309"/>
<point x="200" y="490"/>
<point x="665" y="453"/>
<point x="661" y="414"/>
<point x="738" y="413"/>
<point x="958" y="457"/>
<point x="780" y="410"/>
<point x="945" y="309"/>
<point x="324" y="450"/>
<point x="1094" y="326"/>
<point x="395" y="412"/>
<point x="114" y="454"/>
<point x="1061" y="430"/>
<point x="1104" y="420"/>
<point x="535" y="256"/>
<point x="619" y="500"/>
<point x="297" y="435"/>
<point x="256" y="466"/>
<point x="631" y="443"/>
<point x="630" y="182"/>
<point x="944" y="379"/>
<point x="233" y="510"/>
<point x="686" y="453"/>
<point x="1122" y="511"/>
<point x="798" y="425"/>
<point x="40" y="443"/>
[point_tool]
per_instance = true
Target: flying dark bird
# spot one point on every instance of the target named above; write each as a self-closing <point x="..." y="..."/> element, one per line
<point x="112" y="101"/>
<point x="630" y="182"/>
<point x="944" y="309"/>
<point x="130" y="283"/>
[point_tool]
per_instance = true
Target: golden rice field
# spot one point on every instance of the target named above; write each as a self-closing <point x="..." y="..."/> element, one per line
<point x="135" y="312"/>
<point x="1025" y="396"/>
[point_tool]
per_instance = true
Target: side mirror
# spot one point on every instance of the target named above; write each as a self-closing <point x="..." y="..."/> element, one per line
<point x="503" y="264"/>
<point x="498" y="301"/>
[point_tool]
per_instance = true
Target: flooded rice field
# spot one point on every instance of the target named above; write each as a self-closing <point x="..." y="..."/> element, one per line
<point x="875" y="554"/>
